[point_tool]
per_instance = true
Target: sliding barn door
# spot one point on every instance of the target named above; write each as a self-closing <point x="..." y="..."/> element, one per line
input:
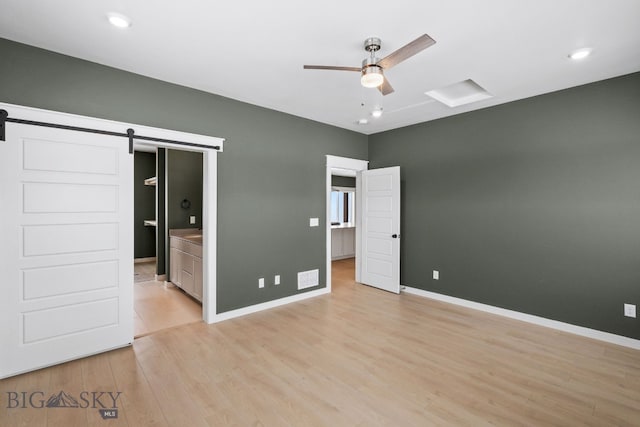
<point x="66" y="247"/>
<point x="381" y="228"/>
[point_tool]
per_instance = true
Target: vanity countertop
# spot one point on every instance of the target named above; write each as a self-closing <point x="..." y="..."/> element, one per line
<point x="192" y="235"/>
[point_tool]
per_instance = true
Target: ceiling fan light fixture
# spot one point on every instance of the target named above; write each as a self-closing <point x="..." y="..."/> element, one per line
<point x="372" y="76"/>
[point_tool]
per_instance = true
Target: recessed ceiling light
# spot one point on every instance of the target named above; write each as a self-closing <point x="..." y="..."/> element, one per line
<point x="119" y="20"/>
<point x="363" y="121"/>
<point x="580" y="53"/>
<point x="377" y="113"/>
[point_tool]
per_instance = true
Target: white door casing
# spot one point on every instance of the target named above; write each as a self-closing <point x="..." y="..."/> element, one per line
<point x="381" y="228"/>
<point x="66" y="255"/>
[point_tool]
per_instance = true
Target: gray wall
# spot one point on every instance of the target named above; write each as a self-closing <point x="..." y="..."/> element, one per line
<point x="271" y="176"/>
<point x="184" y="181"/>
<point x="532" y="206"/>
<point x="144" y="205"/>
<point x="343" y="181"/>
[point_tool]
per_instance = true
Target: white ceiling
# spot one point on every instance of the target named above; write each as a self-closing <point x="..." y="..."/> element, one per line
<point x="253" y="51"/>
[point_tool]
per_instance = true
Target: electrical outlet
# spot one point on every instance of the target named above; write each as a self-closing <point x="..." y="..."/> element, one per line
<point x="276" y="280"/>
<point x="261" y="282"/>
<point x="314" y="222"/>
<point x="192" y="219"/>
<point x="630" y="310"/>
<point x="436" y="275"/>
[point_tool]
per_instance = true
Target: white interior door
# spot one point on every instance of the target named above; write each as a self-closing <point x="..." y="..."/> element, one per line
<point x="66" y="252"/>
<point x="381" y="228"/>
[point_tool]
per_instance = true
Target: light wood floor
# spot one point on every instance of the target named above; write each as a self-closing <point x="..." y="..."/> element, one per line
<point x="144" y="271"/>
<point x="157" y="307"/>
<point x="357" y="357"/>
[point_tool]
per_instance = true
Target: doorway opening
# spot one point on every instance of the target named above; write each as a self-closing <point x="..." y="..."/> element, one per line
<point x="168" y="199"/>
<point x="343" y="222"/>
<point x="185" y="222"/>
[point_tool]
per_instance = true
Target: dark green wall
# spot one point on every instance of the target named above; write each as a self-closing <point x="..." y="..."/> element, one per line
<point x="343" y="181"/>
<point x="271" y="176"/>
<point x="144" y="205"/>
<point x="184" y="181"/>
<point x="532" y="206"/>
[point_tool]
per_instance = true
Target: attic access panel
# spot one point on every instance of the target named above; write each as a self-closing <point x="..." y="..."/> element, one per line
<point x="461" y="93"/>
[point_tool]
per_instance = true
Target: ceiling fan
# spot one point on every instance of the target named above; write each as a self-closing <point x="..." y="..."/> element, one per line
<point x="372" y="69"/>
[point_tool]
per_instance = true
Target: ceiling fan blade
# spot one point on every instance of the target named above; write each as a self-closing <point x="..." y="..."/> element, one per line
<point x="385" y="88"/>
<point x="407" y="51"/>
<point x="331" y="67"/>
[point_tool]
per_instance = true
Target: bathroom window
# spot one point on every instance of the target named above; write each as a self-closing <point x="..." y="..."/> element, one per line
<point x="342" y="205"/>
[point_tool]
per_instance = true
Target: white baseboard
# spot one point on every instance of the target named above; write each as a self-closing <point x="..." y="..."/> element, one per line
<point x="269" y="304"/>
<point x="338" y="258"/>
<point x="529" y="318"/>
<point x="141" y="260"/>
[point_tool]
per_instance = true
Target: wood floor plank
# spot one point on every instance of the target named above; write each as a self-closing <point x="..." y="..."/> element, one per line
<point x="138" y="400"/>
<point x="169" y="389"/>
<point x="17" y="412"/>
<point x="97" y="377"/>
<point x="158" y="307"/>
<point x="66" y="378"/>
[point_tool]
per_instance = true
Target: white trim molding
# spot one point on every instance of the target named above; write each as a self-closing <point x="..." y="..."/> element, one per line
<point x="209" y="235"/>
<point x="529" y="318"/>
<point x="269" y="304"/>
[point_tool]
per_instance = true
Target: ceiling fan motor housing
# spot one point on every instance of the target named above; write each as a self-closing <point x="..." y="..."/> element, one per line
<point x="370" y="66"/>
<point x="371" y="62"/>
<point x="372" y="44"/>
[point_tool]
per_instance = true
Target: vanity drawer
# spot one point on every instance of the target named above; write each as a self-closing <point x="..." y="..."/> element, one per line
<point x="186" y="246"/>
<point x="193" y="249"/>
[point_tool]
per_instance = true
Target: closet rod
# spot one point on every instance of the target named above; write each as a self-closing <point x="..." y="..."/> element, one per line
<point x="4" y="117"/>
